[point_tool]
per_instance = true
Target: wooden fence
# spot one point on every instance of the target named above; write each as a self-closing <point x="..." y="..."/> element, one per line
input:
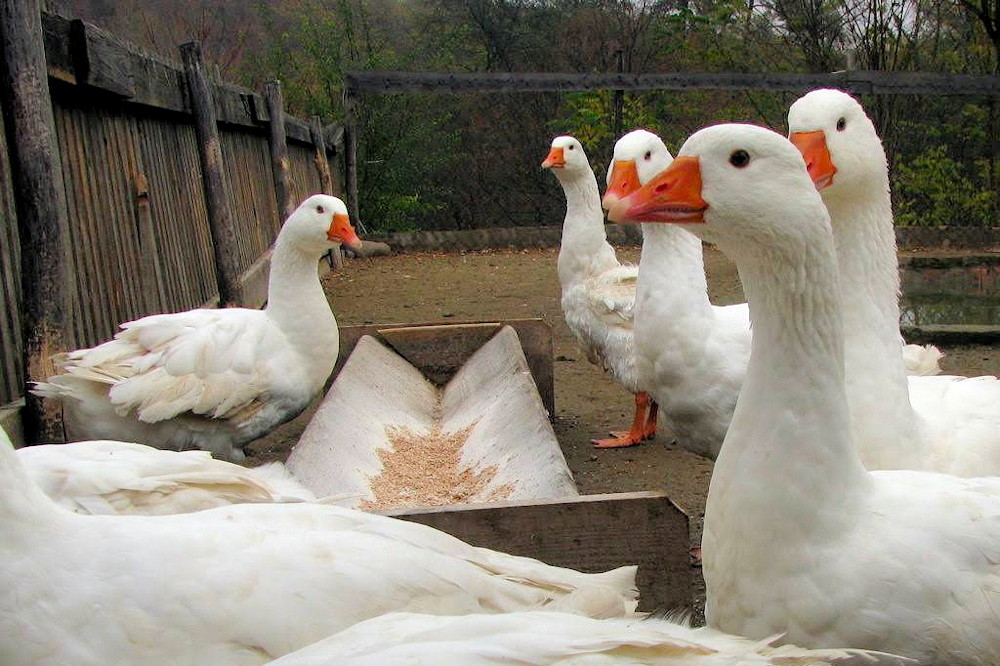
<point x="139" y="228"/>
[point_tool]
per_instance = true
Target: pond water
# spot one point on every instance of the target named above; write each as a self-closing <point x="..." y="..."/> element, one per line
<point x="959" y="290"/>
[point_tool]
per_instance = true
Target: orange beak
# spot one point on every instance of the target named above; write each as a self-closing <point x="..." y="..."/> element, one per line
<point x="673" y="196"/>
<point x="624" y="181"/>
<point x="812" y="145"/>
<point x="555" y="159"/>
<point x="342" y="232"/>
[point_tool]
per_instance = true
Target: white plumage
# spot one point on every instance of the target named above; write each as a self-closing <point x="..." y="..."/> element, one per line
<point x="109" y="477"/>
<point x="598" y="293"/>
<point x="243" y="584"/>
<point x="694" y="353"/>
<point x="922" y="360"/>
<point x="215" y="379"/>
<point x="538" y="638"/>
<point x="943" y="423"/>
<point x="799" y="539"/>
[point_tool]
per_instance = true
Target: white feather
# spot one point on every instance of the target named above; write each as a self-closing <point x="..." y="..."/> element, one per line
<point x="243" y="584"/>
<point x="934" y="423"/>
<point x="800" y="539"/>
<point x="110" y="477"/>
<point x="539" y="638"/>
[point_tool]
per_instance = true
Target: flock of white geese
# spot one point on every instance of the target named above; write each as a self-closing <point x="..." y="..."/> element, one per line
<point x="847" y="514"/>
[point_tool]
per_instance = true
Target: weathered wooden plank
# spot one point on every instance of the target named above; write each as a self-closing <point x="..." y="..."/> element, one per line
<point x="69" y="147"/>
<point x="40" y="202"/>
<point x="279" y="147"/>
<point x="210" y="153"/>
<point x="435" y="355"/>
<point x="117" y="171"/>
<point x="11" y="358"/>
<point x="55" y="34"/>
<point x="99" y="59"/>
<point x="297" y="130"/>
<point x="438" y="351"/>
<point x="867" y="82"/>
<point x="251" y="197"/>
<point x="590" y="533"/>
<point x="169" y="158"/>
<point x="303" y="178"/>
<point x="96" y="289"/>
<point x="322" y="163"/>
<point x="150" y="274"/>
<point x="232" y="104"/>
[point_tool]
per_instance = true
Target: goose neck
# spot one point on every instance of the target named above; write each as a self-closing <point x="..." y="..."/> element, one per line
<point x="584" y="249"/>
<point x="297" y="304"/>
<point x="866" y="254"/>
<point x="672" y="269"/>
<point x="869" y="289"/>
<point x="789" y="452"/>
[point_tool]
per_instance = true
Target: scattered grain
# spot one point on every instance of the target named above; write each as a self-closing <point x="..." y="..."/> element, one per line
<point x="425" y="469"/>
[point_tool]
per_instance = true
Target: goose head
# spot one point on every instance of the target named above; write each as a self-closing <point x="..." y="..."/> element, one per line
<point x="638" y="157"/>
<point x="566" y="158"/>
<point x="839" y="143"/>
<point x="730" y="185"/>
<point x="320" y="222"/>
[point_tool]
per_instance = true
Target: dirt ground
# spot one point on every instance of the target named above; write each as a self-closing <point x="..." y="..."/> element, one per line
<point x="424" y="287"/>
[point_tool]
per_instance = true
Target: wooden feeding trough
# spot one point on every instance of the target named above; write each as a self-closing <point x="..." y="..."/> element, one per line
<point x="388" y="434"/>
<point x="448" y="425"/>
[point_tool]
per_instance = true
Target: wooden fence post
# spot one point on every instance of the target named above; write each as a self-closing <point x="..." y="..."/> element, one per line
<point x="351" y="157"/>
<point x="210" y="154"/>
<point x="40" y="202"/>
<point x="279" y="148"/>
<point x="322" y="163"/>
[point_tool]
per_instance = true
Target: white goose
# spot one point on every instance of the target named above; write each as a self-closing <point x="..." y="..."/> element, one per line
<point x="944" y="423"/>
<point x="598" y="293"/>
<point x="799" y="538"/>
<point x="244" y="584"/>
<point x="215" y="379"/>
<point x="696" y="378"/>
<point x="109" y="477"/>
<point x="540" y="638"/>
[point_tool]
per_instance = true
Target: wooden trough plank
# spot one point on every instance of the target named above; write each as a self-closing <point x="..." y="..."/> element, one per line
<point x="590" y="533"/>
<point x="438" y="351"/>
<point x="535" y="336"/>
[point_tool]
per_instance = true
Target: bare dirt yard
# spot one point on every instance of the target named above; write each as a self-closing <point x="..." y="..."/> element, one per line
<point x="508" y="284"/>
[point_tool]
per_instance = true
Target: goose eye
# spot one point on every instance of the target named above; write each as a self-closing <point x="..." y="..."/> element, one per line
<point x="841" y="124"/>
<point x="648" y="155"/>
<point x="739" y="158"/>
<point x="320" y="210"/>
<point x="572" y="147"/>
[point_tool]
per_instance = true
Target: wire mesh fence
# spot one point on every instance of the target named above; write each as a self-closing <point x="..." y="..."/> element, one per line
<point x="429" y="161"/>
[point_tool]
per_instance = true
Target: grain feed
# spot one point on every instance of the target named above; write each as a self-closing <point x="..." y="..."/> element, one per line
<point x="425" y="469"/>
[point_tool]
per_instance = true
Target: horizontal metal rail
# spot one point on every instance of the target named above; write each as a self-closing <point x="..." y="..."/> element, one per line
<point x="857" y="81"/>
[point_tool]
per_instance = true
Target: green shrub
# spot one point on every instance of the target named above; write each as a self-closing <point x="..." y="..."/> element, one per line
<point x="932" y="189"/>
